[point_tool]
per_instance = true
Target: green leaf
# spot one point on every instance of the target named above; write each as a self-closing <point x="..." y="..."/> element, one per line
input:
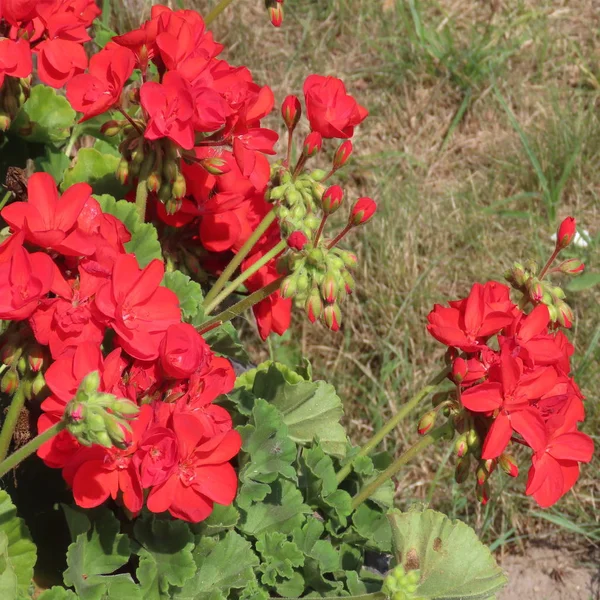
<point x="53" y="162"/>
<point x="319" y="473"/>
<point x="452" y="561"/>
<point x="45" y="117"/>
<point x="271" y="451"/>
<point x="57" y="593"/>
<point x="279" y="557"/>
<point x="220" y="519"/>
<point x="97" y="169"/>
<point x="165" y="556"/>
<point x="96" y="554"/>
<point x="311" y="410"/>
<point x="77" y="520"/>
<point x="144" y="237"/>
<point x="9" y="584"/>
<point x="248" y="378"/>
<point x="188" y="291"/>
<point x="254" y="591"/>
<point x="307" y="536"/>
<point x="18" y="554"/>
<point x="224" y="341"/>
<point x="373" y="526"/>
<point x="584" y="282"/>
<point x="227" y="565"/>
<point x="282" y="510"/>
<point x="293" y="587"/>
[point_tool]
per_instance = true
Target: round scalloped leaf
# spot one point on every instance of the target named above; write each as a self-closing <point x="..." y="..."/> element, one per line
<point x="144" y="237"/>
<point x="18" y="552"/>
<point x="45" y="117"/>
<point x="97" y="169"/>
<point x="58" y="593"/>
<point x="452" y="561"/>
<point x="188" y="291"/>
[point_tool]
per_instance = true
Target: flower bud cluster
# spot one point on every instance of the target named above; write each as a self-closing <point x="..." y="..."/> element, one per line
<point x="13" y="94"/>
<point x="400" y="584"/>
<point x="95" y="417"/>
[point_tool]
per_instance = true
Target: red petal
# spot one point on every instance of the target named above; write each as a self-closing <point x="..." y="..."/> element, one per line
<point x="497" y="438"/>
<point x="530" y="425"/>
<point x="92" y="484"/>
<point x="572" y="446"/>
<point x="483" y="397"/>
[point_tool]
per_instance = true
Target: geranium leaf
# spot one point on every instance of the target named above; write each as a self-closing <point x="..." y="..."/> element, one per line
<point x="9" y="584"/>
<point x="57" y="593"/>
<point x="374" y="527"/>
<point x="188" y="291"/>
<point x="144" y="237"/>
<point x="220" y="519"/>
<point x="97" y="169"/>
<point x="94" y="555"/>
<point x="307" y="536"/>
<point x="45" y="117"/>
<point x="254" y="591"/>
<point x="453" y="563"/>
<point x="18" y="552"/>
<point x="165" y="556"/>
<point x="279" y="557"/>
<point x="319" y="474"/>
<point x="311" y="409"/>
<point x="228" y="564"/>
<point x="77" y="520"/>
<point x="224" y="341"/>
<point x="282" y="510"/>
<point x="293" y="587"/>
<point x="54" y="162"/>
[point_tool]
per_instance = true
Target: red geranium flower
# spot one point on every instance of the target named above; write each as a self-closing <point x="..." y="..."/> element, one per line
<point x="15" y="59"/>
<point x="183" y="351"/>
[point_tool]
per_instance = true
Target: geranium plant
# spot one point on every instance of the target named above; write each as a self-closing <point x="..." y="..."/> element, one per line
<point x="153" y="219"/>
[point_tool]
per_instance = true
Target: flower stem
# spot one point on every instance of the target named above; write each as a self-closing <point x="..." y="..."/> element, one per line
<point x="320" y="230"/>
<point x="141" y="192"/>
<point x="548" y="264"/>
<point x="339" y="236"/>
<point x="216" y="11"/>
<point x="405" y="410"/>
<point x="242" y="305"/>
<point x="424" y="442"/>
<point x="236" y="261"/>
<point x="10" y="422"/>
<point x="131" y="121"/>
<point x="244" y="275"/>
<point x="5" y="199"/>
<point x="22" y="453"/>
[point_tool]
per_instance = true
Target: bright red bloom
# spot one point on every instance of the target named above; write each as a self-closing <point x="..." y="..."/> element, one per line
<point x="100" y="89"/>
<point x="15" y="11"/>
<point x="312" y="144"/>
<point x="566" y="232"/>
<point x="15" y="59"/>
<point x="291" y="111"/>
<point x="330" y="110"/>
<point x="170" y="108"/>
<point x="59" y="60"/>
<point x="50" y="220"/>
<point x="183" y="351"/>
<point x="362" y="211"/>
<point x="157" y="456"/>
<point x="468" y="323"/>
<point x="24" y="280"/>
<point x="137" y="307"/>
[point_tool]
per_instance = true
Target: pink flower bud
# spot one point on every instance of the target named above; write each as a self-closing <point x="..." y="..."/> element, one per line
<point x="362" y="211"/>
<point x="460" y="446"/>
<point x="9" y="382"/>
<point x="565" y="314"/>
<point x="215" y="165"/>
<point x="276" y="14"/>
<point x="573" y="266"/>
<point x="297" y="240"/>
<point x="291" y="111"/>
<point x="332" y="199"/>
<point x="508" y="465"/>
<point x="329" y="288"/>
<point x="483" y="493"/>
<point x="459" y="370"/>
<point x="153" y="182"/>
<point x="314" y="306"/>
<point x="332" y="316"/>
<point x="312" y="144"/>
<point x="566" y="233"/>
<point x="427" y="422"/>
<point x="342" y="154"/>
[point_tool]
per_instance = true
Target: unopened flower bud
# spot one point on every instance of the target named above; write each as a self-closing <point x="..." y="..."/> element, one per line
<point x="316" y="257"/>
<point x="342" y="154"/>
<point x="215" y="165"/>
<point x="482" y="475"/>
<point x="110" y="128"/>
<point x="9" y="382"/>
<point x="5" y="122"/>
<point x="90" y="383"/>
<point x="332" y="199"/>
<point x="276" y="14"/>
<point x="565" y="314"/>
<point x="362" y="211"/>
<point x="153" y="182"/>
<point x="482" y="492"/>
<point x="172" y="205"/>
<point x="38" y="384"/>
<point x="460" y="445"/>
<point x="179" y="186"/>
<point x="288" y="286"/>
<point x="349" y="283"/>
<point x="332" y="316"/>
<point x="536" y="290"/>
<point x="314" y="305"/>
<point x="123" y="171"/>
<point x="508" y="464"/>
<point x="103" y="439"/>
<point x="22" y="365"/>
<point x="329" y="287"/>
<point x="566" y="233"/>
<point x="350" y="259"/>
<point x="294" y="197"/>
<point x="427" y="422"/>
<point x="35" y="357"/>
<point x="297" y="240"/>
<point x="125" y="408"/>
<point x="312" y="144"/>
<point x="291" y="111"/>
<point x="461" y="471"/>
<point x="459" y="370"/>
<point x="473" y="439"/>
<point x="318" y="175"/>
<point x="573" y="266"/>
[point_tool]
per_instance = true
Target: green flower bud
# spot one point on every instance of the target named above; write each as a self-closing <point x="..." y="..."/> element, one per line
<point x="293" y="196"/>
<point x="90" y="383"/>
<point x="38" y="383"/>
<point x="461" y="472"/>
<point x="318" y="174"/>
<point x="165" y="192"/>
<point x="277" y="193"/>
<point x="9" y="382"/>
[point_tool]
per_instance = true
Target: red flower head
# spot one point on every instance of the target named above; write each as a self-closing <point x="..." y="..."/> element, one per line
<point x="170" y="108"/>
<point x="15" y="11"/>
<point x="297" y="240"/>
<point x="362" y="211"/>
<point x="291" y="111"/>
<point x="331" y="111"/>
<point x="59" y="60"/>
<point x="342" y="154"/>
<point x="15" y="58"/>
<point x="100" y="89"/>
<point x="157" y="456"/>
<point x="183" y="351"/>
<point x="49" y="220"/>
<point x="137" y="307"/>
<point x="566" y="233"/>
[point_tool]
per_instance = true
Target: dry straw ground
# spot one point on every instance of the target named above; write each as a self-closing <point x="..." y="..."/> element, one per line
<point x="484" y="132"/>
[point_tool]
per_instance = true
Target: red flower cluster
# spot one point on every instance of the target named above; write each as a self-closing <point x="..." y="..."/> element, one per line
<point x="513" y="378"/>
<point x="77" y="286"/>
<point x="54" y="30"/>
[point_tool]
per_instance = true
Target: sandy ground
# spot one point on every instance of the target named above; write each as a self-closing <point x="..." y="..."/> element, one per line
<point x="551" y="574"/>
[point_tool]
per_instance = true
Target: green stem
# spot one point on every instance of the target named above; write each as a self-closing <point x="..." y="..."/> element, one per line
<point x="422" y="444"/>
<point x="339" y="236"/>
<point x="141" y="192"/>
<point x="5" y="199"/>
<point x="244" y="275"/>
<point x="238" y="258"/>
<point x="22" y="453"/>
<point x="548" y="264"/>
<point x="393" y="422"/>
<point x="10" y="422"/>
<point x="242" y="305"/>
<point x="216" y="11"/>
